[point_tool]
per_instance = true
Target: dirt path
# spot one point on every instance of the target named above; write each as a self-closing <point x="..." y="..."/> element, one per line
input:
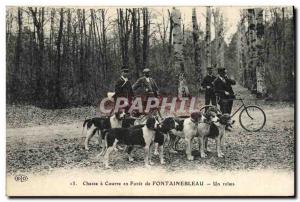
<point x="51" y="146"/>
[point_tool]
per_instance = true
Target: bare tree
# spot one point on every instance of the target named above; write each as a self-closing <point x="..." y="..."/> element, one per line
<point x="69" y="56"/>
<point x="104" y="40"/>
<point x="58" y="60"/>
<point x="136" y="46"/>
<point x="197" y="51"/>
<point x="177" y="39"/>
<point x="162" y="30"/>
<point x="251" y="66"/>
<point x="242" y="48"/>
<point x="219" y="38"/>
<point x="170" y="33"/>
<point x="208" y="38"/>
<point x="38" y="20"/>
<point x="19" y="46"/>
<point x="146" y="30"/>
<point x="124" y="27"/>
<point x="260" y="65"/>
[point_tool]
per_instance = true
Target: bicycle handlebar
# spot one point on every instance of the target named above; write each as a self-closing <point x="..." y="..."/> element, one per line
<point x="234" y="99"/>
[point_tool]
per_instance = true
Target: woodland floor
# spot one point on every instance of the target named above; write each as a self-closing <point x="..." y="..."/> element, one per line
<point x="40" y="141"/>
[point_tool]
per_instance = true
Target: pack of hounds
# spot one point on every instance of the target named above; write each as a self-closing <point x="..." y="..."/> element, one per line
<point x="149" y="132"/>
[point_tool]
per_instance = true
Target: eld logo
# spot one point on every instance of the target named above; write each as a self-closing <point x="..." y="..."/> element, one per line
<point x="21" y="178"/>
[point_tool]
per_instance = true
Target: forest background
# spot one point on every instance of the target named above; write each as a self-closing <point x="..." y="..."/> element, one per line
<point x="60" y="57"/>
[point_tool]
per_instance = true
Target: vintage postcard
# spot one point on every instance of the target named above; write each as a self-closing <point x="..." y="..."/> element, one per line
<point x="150" y="101"/>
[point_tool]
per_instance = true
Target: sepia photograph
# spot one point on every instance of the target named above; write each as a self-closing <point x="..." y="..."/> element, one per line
<point x="155" y="101"/>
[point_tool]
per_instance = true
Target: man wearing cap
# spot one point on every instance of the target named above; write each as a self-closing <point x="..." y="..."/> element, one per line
<point x="223" y="89"/>
<point x="123" y="87"/>
<point x="147" y="85"/>
<point x="208" y="85"/>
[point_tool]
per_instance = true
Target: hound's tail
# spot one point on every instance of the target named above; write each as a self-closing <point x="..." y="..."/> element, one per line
<point x="83" y="126"/>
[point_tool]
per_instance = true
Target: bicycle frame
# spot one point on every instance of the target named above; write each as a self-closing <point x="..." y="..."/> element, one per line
<point x="242" y="106"/>
<point x="245" y="107"/>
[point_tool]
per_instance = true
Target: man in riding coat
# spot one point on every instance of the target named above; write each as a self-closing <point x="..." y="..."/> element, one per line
<point x="208" y="85"/>
<point x="146" y="86"/>
<point x="223" y="89"/>
<point x="123" y="87"/>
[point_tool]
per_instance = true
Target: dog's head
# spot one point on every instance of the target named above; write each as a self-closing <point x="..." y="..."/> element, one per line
<point x="128" y="122"/>
<point x="196" y="116"/>
<point x="152" y="123"/>
<point x="212" y="116"/>
<point x="168" y="124"/>
<point x="213" y="109"/>
<point x="120" y="115"/>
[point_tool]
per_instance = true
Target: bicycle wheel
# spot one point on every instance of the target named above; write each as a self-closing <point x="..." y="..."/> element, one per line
<point x="252" y="118"/>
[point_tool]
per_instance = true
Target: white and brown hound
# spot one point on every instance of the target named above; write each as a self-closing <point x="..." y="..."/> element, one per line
<point x="214" y="130"/>
<point x="185" y="129"/>
<point x="98" y="124"/>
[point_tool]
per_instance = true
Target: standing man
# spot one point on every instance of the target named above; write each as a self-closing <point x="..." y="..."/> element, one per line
<point x="223" y="89"/>
<point x="208" y="85"/>
<point x="147" y="85"/>
<point x="123" y="87"/>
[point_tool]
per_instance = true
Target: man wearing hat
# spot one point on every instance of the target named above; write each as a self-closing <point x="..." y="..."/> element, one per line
<point x="147" y="86"/>
<point x="223" y="89"/>
<point x="123" y="87"/>
<point x="208" y="85"/>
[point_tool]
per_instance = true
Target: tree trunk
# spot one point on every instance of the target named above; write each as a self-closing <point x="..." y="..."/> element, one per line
<point x="100" y="63"/>
<point x="283" y="51"/>
<point x="242" y="49"/>
<point x="50" y="91"/>
<point x="104" y="41"/>
<point x="38" y="20"/>
<point x="136" y="40"/>
<point x="260" y="63"/>
<point x="146" y="29"/>
<point x="162" y="30"/>
<point x="58" y="60"/>
<point x="197" y="51"/>
<point x="221" y="61"/>
<point x="251" y="67"/>
<point x="208" y="38"/>
<point x="17" y="73"/>
<point x="177" y="39"/>
<point x="170" y="36"/>
<point x="219" y="39"/>
<point x="124" y="28"/>
<point x="67" y="47"/>
<point x="178" y="53"/>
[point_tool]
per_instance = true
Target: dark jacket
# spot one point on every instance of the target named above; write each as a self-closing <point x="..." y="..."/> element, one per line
<point x="208" y="81"/>
<point x="146" y="87"/>
<point x="123" y="89"/>
<point x="221" y="86"/>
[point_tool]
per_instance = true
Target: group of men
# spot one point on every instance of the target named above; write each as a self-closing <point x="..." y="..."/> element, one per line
<point x="145" y="86"/>
<point x="218" y="89"/>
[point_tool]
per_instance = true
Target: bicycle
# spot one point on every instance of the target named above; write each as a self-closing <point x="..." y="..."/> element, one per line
<point x="252" y="118"/>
